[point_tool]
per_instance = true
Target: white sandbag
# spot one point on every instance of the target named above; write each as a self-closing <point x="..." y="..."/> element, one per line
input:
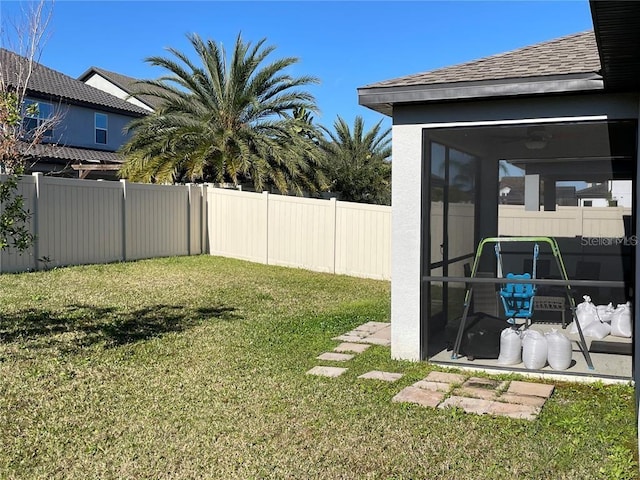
<point x="586" y="312"/>
<point x="558" y="350"/>
<point x="597" y="330"/>
<point x="605" y="312"/>
<point x="621" y="321"/>
<point x="510" y="347"/>
<point x="534" y="350"/>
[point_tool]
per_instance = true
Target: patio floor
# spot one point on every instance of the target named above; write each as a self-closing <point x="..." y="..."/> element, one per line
<point x="608" y="367"/>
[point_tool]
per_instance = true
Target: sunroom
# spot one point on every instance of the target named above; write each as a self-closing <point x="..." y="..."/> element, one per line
<point x="524" y="163"/>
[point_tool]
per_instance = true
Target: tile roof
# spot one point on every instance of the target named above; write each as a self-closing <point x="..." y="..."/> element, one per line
<point x="48" y="82"/>
<point x="83" y="155"/>
<point x="572" y="54"/>
<point x="124" y="82"/>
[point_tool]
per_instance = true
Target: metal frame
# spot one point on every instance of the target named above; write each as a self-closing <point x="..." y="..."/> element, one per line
<point x="555" y="250"/>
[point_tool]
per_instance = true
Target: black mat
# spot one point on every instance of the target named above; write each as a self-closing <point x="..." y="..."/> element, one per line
<point x="618" y="348"/>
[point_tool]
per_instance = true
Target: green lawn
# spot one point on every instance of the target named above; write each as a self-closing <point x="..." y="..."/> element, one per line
<point x="195" y="368"/>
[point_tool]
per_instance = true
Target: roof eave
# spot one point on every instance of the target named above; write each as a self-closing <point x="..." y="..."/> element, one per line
<point x="382" y="99"/>
<point x="83" y="103"/>
<point x="95" y="71"/>
<point x="87" y="73"/>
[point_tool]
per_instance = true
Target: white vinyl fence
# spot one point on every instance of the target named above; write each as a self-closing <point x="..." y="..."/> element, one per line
<point x="321" y="235"/>
<point x="86" y="221"/>
<point x="564" y="222"/>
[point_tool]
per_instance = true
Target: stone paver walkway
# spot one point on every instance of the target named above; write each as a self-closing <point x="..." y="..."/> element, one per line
<point x="515" y="399"/>
<point x="375" y="333"/>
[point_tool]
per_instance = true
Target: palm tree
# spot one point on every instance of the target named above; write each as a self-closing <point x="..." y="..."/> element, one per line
<point x="358" y="163"/>
<point x="224" y="121"/>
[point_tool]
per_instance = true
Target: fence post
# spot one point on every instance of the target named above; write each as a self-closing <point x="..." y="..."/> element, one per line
<point x="123" y="182"/>
<point x="189" y="208"/>
<point x="265" y="195"/>
<point x="36" y="218"/>
<point x="204" y="220"/>
<point x="334" y="225"/>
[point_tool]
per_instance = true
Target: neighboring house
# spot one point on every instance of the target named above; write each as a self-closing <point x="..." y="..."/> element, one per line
<point x="621" y="193"/>
<point x="564" y="112"/>
<point x="596" y="195"/>
<point x="613" y="193"/>
<point x="119" y="85"/>
<point x="511" y="191"/>
<point x="90" y="122"/>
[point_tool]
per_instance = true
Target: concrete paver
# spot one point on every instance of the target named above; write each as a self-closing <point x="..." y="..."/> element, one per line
<point x="530" y="400"/>
<point x="384" y="334"/>
<point x="433" y="386"/>
<point x="512" y="410"/>
<point x="372" y="327"/>
<point x="445" y="377"/>
<point x="327" y="371"/>
<point x="376" y="341"/>
<point x="419" y="397"/>
<point x="529" y="388"/>
<point x="469" y="405"/>
<point x="374" y="333"/>
<point x="476" y="392"/>
<point x="384" y="376"/>
<point x="335" y="357"/>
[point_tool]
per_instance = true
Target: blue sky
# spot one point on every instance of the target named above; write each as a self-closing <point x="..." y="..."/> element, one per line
<point x="345" y="44"/>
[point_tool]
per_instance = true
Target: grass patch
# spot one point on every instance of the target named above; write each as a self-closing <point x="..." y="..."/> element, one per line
<point x="195" y="368"/>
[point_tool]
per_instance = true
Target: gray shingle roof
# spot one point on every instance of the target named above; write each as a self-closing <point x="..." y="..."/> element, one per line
<point x="124" y="82"/>
<point x="51" y="83"/>
<point x="573" y="54"/>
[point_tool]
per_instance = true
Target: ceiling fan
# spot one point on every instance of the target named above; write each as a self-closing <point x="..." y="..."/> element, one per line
<point x="536" y="138"/>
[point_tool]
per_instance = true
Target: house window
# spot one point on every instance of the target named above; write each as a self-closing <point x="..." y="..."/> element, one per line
<point x="101" y="128"/>
<point x="36" y="115"/>
<point x="588" y="203"/>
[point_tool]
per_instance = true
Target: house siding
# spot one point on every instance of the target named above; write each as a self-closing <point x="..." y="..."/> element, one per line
<point x="76" y="127"/>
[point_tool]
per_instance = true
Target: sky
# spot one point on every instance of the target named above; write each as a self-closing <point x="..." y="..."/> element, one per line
<point x="345" y="45"/>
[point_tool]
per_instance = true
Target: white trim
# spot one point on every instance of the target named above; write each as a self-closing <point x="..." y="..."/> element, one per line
<point x="521" y="121"/>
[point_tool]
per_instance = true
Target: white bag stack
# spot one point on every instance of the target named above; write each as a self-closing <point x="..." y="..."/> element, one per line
<point x="534" y="350"/>
<point x="510" y="347"/>
<point x="558" y="350"/>
<point x="605" y="312"/>
<point x="597" y="330"/>
<point x="586" y="313"/>
<point x="621" y="321"/>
